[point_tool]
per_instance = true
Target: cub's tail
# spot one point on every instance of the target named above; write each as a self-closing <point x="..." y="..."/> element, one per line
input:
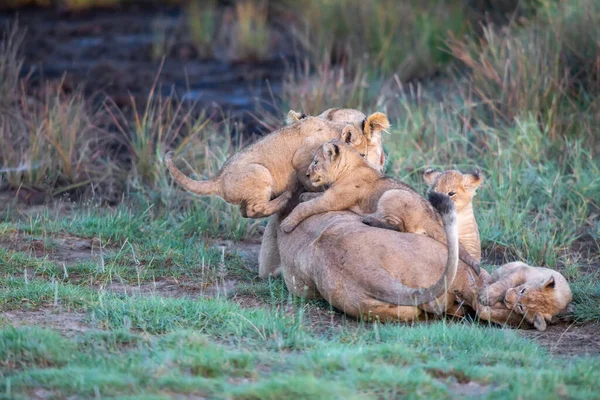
<point x="207" y="187"/>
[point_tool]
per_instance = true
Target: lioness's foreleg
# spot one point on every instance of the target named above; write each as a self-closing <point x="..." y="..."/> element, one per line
<point x="269" y="259"/>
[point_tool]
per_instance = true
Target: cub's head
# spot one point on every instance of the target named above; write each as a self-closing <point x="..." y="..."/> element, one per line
<point x="331" y="159"/>
<point x="361" y="132"/>
<point x="461" y="188"/>
<point x="540" y="298"/>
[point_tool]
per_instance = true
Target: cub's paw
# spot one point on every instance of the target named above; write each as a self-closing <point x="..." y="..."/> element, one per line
<point x="487" y="298"/>
<point x="287" y="226"/>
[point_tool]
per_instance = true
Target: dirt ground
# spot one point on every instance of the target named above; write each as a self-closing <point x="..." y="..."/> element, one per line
<point x="562" y="339"/>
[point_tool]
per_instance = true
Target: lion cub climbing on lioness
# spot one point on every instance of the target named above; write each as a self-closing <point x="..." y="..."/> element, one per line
<point x="262" y="177"/>
<point x="358" y="187"/>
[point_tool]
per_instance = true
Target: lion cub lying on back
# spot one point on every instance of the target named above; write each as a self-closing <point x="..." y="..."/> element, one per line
<point x="358" y="187"/>
<point x="515" y="289"/>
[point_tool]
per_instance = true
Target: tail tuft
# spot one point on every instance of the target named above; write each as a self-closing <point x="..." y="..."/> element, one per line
<point x="169" y="156"/>
<point x="441" y="202"/>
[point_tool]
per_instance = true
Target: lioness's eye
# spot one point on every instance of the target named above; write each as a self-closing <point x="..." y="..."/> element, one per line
<point x="451" y="194"/>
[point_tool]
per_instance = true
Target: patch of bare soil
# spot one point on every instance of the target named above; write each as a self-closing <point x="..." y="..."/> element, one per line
<point x="174" y="288"/>
<point x="67" y="323"/>
<point x="62" y="248"/>
<point x="567" y="339"/>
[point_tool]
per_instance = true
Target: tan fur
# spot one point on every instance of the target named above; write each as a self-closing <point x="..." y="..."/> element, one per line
<point x="358" y="187"/>
<point x="461" y="188"/>
<point x="355" y="267"/>
<point x="338" y="258"/>
<point x="536" y="293"/>
<point x="262" y="177"/>
<point x="329" y="262"/>
<point x="545" y="292"/>
<point x="268" y="259"/>
<point x="371" y="126"/>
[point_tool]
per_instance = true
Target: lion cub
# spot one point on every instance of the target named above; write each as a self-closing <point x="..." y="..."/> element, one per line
<point x="357" y="186"/>
<point x="461" y="188"/>
<point x="535" y="293"/>
<point x="262" y="177"/>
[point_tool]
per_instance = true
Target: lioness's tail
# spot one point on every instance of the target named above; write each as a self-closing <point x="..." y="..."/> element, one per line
<point x="394" y="292"/>
<point x="207" y="187"/>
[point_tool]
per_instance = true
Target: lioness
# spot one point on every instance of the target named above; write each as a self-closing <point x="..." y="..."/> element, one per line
<point x="536" y="293"/>
<point x="369" y="272"/>
<point x="268" y="260"/>
<point x="321" y="258"/>
<point x="358" y="187"/>
<point x="262" y="177"/>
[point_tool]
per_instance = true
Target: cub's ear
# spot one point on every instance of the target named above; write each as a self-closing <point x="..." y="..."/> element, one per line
<point x="548" y="283"/>
<point x="539" y="322"/>
<point x="430" y="175"/>
<point x="351" y="135"/>
<point x="472" y="180"/>
<point x="293" y="116"/>
<point x="374" y="124"/>
<point x="331" y="150"/>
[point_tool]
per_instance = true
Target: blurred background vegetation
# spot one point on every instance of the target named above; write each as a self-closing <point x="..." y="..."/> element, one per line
<point x="511" y="86"/>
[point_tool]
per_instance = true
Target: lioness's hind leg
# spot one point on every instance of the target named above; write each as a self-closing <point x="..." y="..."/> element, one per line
<point x="381" y="223"/>
<point x="385" y="312"/>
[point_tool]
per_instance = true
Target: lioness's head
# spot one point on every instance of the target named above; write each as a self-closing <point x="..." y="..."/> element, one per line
<point x="361" y="132"/>
<point x="461" y="188"/>
<point x="329" y="161"/>
<point x="540" y="298"/>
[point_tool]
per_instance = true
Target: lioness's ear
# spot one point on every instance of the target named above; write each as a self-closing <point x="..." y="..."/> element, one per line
<point x="430" y="175"/>
<point x="472" y="180"/>
<point x="351" y="135"/>
<point x="539" y="322"/>
<point x="548" y="283"/>
<point x="293" y="116"/>
<point x="375" y="123"/>
<point x="331" y="150"/>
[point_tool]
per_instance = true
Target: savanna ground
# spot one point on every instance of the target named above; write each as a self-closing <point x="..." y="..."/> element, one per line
<point x="114" y="283"/>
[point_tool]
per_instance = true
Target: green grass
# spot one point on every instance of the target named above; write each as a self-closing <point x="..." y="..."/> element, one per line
<point x="390" y="361"/>
<point x="151" y="345"/>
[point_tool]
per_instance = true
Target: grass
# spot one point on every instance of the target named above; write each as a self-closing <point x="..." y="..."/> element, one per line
<point x="161" y="346"/>
<point x="151" y="344"/>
